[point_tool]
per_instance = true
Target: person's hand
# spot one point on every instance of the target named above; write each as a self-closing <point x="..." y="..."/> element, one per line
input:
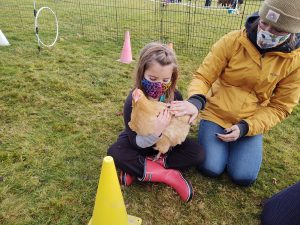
<point x="163" y="120"/>
<point x="232" y="134"/>
<point x="181" y="108"/>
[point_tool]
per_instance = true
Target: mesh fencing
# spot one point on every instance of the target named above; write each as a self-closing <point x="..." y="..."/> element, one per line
<point x="191" y="25"/>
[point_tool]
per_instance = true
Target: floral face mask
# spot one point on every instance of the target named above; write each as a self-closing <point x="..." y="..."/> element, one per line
<point x="155" y="89"/>
<point x="265" y="39"/>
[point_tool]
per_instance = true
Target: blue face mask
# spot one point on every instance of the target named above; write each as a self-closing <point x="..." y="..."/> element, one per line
<point x="155" y="89"/>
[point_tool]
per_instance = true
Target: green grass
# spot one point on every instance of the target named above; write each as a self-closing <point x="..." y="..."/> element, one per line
<point x="59" y="114"/>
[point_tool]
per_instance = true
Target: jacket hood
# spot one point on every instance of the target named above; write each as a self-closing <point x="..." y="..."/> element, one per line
<point x="252" y="33"/>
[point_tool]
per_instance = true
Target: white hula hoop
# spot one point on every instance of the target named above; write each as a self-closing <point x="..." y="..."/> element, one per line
<point x="36" y="26"/>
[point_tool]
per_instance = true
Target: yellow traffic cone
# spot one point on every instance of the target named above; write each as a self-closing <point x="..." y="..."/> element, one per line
<point x="109" y="205"/>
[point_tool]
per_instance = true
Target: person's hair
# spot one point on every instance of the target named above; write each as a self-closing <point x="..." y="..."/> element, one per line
<point x="291" y="41"/>
<point x="159" y="53"/>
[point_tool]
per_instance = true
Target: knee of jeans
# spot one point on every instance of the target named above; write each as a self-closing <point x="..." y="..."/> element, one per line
<point x="243" y="180"/>
<point x="211" y="171"/>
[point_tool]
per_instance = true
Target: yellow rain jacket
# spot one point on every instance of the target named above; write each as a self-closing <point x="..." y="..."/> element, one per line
<point x="259" y="89"/>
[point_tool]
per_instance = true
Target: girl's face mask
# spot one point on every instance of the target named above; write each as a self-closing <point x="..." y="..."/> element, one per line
<point x="265" y="39"/>
<point x="155" y="89"/>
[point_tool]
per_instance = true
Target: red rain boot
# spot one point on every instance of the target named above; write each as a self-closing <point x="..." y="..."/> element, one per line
<point x="154" y="172"/>
<point x="126" y="179"/>
<point x="161" y="160"/>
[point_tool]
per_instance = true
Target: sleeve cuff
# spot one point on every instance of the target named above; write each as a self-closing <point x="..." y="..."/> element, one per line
<point x="146" y="141"/>
<point x="198" y="100"/>
<point x="244" y="128"/>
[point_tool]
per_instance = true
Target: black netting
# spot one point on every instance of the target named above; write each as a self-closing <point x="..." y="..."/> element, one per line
<point x="192" y="25"/>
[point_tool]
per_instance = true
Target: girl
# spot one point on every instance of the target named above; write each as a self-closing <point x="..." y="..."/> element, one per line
<point x="156" y="76"/>
<point x="252" y="80"/>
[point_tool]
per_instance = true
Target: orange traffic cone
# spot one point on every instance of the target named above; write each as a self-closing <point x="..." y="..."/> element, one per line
<point x="170" y="45"/>
<point x="109" y="204"/>
<point x="126" y="55"/>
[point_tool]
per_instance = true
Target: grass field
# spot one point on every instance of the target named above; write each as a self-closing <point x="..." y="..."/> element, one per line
<point x="59" y="112"/>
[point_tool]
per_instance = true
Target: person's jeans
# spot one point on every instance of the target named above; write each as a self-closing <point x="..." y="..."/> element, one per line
<point x="242" y="158"/>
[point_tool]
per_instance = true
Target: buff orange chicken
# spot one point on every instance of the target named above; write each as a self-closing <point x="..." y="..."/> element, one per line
<point x="143" y="116"/>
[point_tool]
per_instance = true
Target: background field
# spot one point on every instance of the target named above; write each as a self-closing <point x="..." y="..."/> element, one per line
<point x="189" y="25"/>
<point x="59" y="112"/>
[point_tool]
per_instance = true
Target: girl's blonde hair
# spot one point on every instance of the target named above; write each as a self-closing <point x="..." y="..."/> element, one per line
<point x="162" y="54"/>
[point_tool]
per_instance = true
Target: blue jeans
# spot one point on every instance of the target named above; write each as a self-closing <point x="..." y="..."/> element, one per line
<point x="242" y="158"/>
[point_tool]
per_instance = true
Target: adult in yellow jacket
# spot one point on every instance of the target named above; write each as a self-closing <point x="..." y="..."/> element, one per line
<point x="249" y="82"/>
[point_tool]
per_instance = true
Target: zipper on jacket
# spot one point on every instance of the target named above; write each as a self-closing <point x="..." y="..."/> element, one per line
<point x="261" y="57"/>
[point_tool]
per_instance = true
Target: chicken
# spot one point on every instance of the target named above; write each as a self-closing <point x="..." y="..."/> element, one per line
<point x="143" y="116"/>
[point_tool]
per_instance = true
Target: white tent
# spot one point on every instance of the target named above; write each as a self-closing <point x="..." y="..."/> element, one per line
<point x="3" y="40"/>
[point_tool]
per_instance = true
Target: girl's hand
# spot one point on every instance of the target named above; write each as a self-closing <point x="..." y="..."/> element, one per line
<point x="163" y="120"/>
<point x="232" y="134"/>
<point x="181" y="108"/>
